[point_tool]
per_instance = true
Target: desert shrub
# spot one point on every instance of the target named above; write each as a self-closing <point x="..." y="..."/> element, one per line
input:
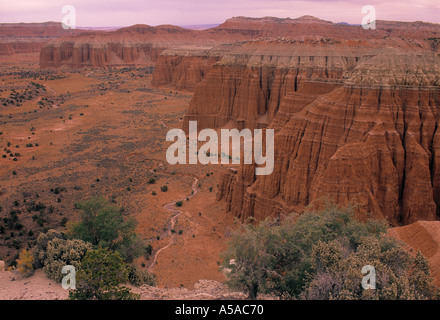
<point x="60" y="252"/>
<point x="138" y="277"/>
<point x="400" y="276"/>
<point x="148" y="251"/>
<point x="100" y="277"/>
<point x="25" y="263"/>
<point x="164" y="188"/>
<point x="179" y="203"/>
<point x="320" y="255"/>
<point x="40" y="248"/>
<point x="151" y="180"/>
<point x="102" y="224"/>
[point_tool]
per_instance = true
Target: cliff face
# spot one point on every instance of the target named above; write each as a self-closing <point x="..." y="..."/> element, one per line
<point x="136" y="45"/>
<point x="355" y="120"/>
<point x="353" y="126"/>
<point x="252" y="84"/>
<point x="184" y="68"/>
<point x="73" y="54"/>
<point x="29" y="37"/>
<point x="13" y="47"/>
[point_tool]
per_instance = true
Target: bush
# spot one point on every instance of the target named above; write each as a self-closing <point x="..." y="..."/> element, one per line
<point x="320" y="255"/>
<point x="60" y="252"/>
<point x="179" y="203"/>
<point x="138" y="277"/>
<point x="151" y="180"/>
<point x="99" y="278"/>
<point x="164" y="188"/>
<point x="25" y="263"/>
<point x="148" y="251"/>
<point x="102" y="224"/>
<point x="39" y="250"/>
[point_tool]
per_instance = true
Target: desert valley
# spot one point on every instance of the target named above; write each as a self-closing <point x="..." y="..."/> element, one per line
<point x="85" y="113"/>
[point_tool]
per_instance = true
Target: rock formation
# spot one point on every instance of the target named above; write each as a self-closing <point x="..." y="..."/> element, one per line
<point x="29" y="37"/>
<point x="355" y="111"/>
<point x="184" y="68"/>
<point x="135" y="45"/>
<point x="355" y="121"/>
<point x="359" y="128"/>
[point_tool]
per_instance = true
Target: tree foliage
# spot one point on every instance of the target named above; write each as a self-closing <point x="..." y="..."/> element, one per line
<point x="103" y="225"/>
<point x="320" y="255"/>
<point x="100" y="275"/>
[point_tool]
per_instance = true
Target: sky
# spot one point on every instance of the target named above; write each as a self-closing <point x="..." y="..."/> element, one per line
<point x="106" y="13"/>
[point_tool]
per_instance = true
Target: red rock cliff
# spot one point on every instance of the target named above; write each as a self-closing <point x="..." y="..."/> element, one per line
<point x="184" y="68"/>
<point x="353" y="124"/>
<point x="29" y="37"/>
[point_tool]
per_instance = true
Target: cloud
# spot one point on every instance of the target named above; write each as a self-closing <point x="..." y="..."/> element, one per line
<point x="154" y="12"/>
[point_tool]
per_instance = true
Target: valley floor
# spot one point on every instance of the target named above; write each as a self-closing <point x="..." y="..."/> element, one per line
<point x="102" y="132"/>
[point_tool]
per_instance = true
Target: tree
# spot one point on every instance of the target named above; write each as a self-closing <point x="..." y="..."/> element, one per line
<point x="102" y="224"/>
<point x="247" y="259"/>
<point x="100" y="277"/>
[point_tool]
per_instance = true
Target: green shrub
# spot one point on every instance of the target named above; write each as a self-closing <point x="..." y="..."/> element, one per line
<point x="139" y="277"/>
<point x="102" y="224"/>
<point x="320" y="255"/>
<point x="100" y="277"/>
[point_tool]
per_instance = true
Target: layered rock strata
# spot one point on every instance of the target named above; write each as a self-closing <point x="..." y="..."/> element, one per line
<point x="353" y="125"/>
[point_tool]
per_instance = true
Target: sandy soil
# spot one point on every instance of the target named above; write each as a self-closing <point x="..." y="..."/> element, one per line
<point x="36" y="287"/>
<point x="39" y="287"/>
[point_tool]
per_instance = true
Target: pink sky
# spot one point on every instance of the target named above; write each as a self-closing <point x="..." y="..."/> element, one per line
<point x="180" y="12"/>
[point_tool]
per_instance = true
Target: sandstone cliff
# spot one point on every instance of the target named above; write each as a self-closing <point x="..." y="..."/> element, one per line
<point x="185" y="67"/>
<point x="354" y="124"/>
<point x="135" y="45"/>
<point x="29" y="37"/>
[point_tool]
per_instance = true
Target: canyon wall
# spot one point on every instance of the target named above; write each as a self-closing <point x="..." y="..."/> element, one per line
<point x="184" y="68"/>
<point x="355" y="111"/>
<point x="18" y="38"/>
<point x="135" y="45"/>
<point x="354" y="124"/>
